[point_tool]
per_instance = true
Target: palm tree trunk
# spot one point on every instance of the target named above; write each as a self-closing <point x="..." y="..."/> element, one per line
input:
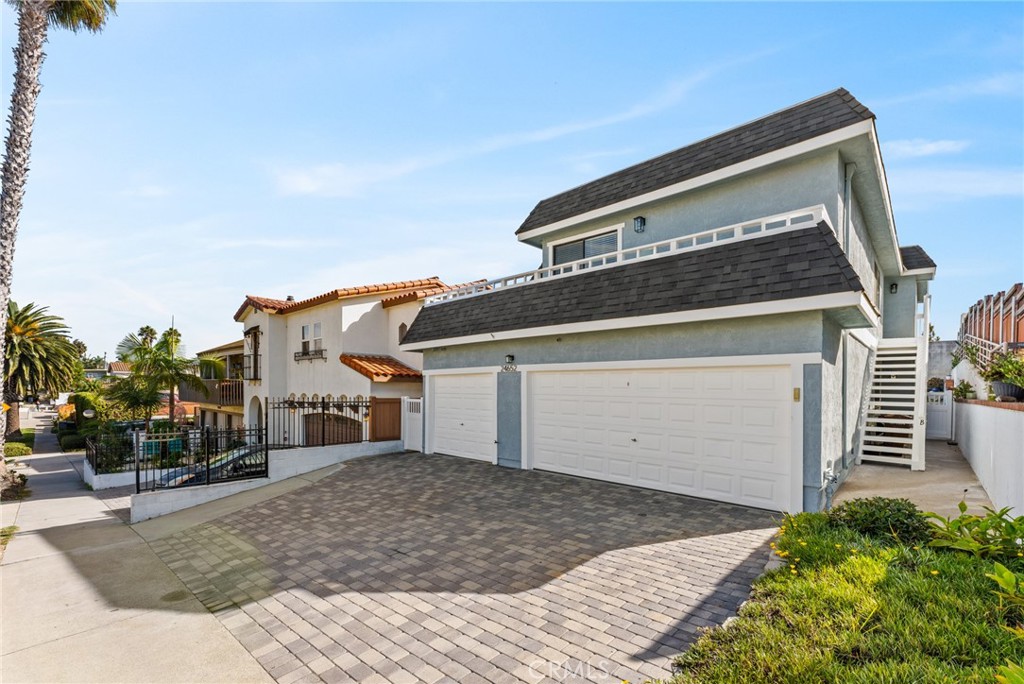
<point x="28" y="60"/>
<point x="13" y="427"/>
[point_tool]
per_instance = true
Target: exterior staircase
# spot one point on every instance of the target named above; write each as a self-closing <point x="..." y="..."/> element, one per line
<point x="893" y="421"/>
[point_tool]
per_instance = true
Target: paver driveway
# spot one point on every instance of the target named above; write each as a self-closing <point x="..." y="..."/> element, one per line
<point x="409" y="568"/>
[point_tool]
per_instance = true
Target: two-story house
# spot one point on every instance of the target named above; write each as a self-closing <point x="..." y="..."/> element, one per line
<point x="733" y="320"/>
<point x="339" y="344"/>
<point x="221" y="405"/>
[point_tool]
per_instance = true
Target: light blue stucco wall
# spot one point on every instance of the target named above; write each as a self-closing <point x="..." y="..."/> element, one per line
<point x="779" y="334"/>
<point x="789" y="186"/>
<point x="510" y="416"/>
<point x="813" y="499"/>
<point x="899" y="309"/>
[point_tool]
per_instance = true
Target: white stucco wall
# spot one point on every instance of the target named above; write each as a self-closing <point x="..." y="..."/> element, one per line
<point x="282" y="465"/>
<point x="991" y="440"/>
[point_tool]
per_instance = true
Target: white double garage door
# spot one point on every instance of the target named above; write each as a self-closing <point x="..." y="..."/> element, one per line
<point x="723" y="433"/>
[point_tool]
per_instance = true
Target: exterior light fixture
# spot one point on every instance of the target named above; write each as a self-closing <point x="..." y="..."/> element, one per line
<point x="893" y="288"/>
<point x="509" y="359"/>
<point x="639" y="223"/>
<point x="510" y="364"/>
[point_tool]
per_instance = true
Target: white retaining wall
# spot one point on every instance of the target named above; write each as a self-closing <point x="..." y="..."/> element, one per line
<point x="108" y="480"/>
<point x="283" y="463"/>
<point x="992" y="441"/>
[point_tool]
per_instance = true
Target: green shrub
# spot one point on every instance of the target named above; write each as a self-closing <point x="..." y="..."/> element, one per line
<point x="15" y="449"/>
<point x="72" y="442"/>
<point x="995" y="535"/>
<point x="882" y="517"/>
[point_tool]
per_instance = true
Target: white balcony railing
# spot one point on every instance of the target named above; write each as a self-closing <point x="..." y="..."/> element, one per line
<point x="793" y="220"/>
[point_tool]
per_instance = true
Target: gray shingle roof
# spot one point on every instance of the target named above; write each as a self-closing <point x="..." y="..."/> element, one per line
<point x="914" y="257"/>
<point x="824" y="114"/>
<point x="800" y="263"/>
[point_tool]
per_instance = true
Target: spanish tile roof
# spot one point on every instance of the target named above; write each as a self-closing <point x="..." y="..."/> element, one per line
<point x="821" y="115"/>
<point x="119" y="367"/>
<point x="800" y="263"/>
<point x="914" y="257"/>
<point x="415" y="295"/>
<point x="280" y="306"/>
<point x="380" y="368"/>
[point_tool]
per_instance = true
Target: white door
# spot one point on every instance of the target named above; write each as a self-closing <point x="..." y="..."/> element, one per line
<point x="463" y="412"/>
<point x="716" y="433"/>
<point x="939" y="414"/>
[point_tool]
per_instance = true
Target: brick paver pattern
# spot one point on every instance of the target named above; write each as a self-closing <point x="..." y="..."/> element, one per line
<point x="413" y="568"/>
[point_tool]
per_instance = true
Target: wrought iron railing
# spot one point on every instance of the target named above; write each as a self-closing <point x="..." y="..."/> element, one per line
<point x="309" y="354"/>
<point x="199" y="456"/>
<point x="323" y="422"/>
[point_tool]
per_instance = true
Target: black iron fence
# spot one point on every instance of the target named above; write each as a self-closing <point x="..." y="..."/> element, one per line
<point x="181" y="458"/>
<point x="322" y="422"/>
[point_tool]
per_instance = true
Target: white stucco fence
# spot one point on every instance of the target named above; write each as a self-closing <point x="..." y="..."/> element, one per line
<point x="992" y="441"/>
<point x="282" y="464"/>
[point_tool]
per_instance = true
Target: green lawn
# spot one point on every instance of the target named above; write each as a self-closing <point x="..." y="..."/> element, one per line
<point x="28" y="437"/>
<point x="856" y="609"/>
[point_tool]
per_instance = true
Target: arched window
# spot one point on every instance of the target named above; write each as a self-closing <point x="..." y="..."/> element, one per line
<point x="402" y="329"/>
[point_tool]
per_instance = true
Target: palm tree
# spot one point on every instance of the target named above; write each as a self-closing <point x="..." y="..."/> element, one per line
<point x="147" y="335"/>
<point x="39" y="357"/>
<point x="136" y="395"/>
<point x="164" y="366"/>
<point x="34" y="18"/>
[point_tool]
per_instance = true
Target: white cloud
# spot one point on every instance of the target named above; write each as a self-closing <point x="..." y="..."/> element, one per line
<point x="1010" y="83"/>
<point x="343" y="179"/>
<point x="920" y="147"/>
<point x="919" y="188"/>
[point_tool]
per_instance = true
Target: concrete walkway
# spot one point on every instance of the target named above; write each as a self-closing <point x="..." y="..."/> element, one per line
<point x="85" y="599"/>
<point x="946" y="480"/>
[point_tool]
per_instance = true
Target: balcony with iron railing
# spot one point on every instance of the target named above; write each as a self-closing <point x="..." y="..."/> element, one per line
<point x="310" y="354"/>
<point x="220" y="392"/>
<point x="778" y="223"/>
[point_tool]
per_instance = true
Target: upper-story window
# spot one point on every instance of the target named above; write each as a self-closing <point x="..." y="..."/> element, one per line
<point x="311" y="338"/>
<point x="585" y="248"/>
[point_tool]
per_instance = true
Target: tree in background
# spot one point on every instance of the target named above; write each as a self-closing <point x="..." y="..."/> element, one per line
<point x="39" y="357"/>
<point x="35" y="17"/>
<point x="136" y="395"/>
<point x="147" y="335"/>
<point x="163" y="365"/>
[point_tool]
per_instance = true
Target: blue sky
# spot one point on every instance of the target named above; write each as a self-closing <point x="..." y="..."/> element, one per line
<point x="196" y="152"/>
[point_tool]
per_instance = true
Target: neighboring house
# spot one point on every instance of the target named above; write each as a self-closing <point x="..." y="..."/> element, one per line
<point x="706" y="322"/>
<point x="222" y="406"/>
<point x="343" y="343"/>
<point x="95" y="373"/>
<point x="119" y="369"/>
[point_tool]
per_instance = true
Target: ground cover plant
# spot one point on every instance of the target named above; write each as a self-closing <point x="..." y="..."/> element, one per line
<point x="858" y="603"/>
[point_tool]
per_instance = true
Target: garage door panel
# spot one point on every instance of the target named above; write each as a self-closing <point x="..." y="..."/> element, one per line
<point x="465" y="415"/>
<point x="715" y="433"/>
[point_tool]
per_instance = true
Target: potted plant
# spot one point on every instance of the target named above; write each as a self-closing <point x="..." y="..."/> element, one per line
<point x="964" y="390"/>
<point x="1006" y="375"/>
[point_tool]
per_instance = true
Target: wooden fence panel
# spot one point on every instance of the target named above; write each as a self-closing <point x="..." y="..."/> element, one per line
<point x="385" y="419"/>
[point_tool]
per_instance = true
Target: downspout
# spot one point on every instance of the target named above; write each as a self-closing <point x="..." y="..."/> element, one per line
<point x="848" y="170"/>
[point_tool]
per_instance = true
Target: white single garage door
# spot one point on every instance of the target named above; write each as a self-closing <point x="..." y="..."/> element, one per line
<point x="717" y="433"/>
<point x="463" y="412"/>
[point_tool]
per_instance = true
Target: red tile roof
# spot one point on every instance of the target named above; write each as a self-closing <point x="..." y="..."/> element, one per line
<point x="119" y="367"/>
<point x="380" y="368"/>
<point x="415" y="295"/>
<point x="276" y="306"/>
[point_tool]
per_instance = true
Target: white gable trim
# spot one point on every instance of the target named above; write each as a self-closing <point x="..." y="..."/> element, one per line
<point x="815" y="303"/>
<point x="841" y="135"/>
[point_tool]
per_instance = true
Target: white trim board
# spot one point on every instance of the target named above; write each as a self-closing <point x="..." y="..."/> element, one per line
<point x="815" y="303"/>
<point x="821" y="141"/>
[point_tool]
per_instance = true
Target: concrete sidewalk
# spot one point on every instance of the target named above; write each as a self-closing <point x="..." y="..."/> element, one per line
<point x="83" y="598"/>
